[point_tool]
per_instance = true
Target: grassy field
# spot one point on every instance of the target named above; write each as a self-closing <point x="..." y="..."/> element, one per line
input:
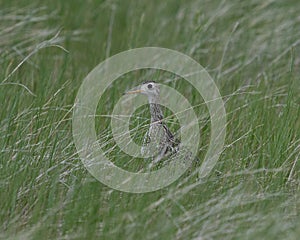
<point x="250" y="48"/>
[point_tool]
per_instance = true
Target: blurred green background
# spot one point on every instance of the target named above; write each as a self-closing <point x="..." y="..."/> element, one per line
<point x="250" y="48"/>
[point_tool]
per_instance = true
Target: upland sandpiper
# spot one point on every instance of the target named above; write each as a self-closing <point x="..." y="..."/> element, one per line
<point x="159" y="138"/>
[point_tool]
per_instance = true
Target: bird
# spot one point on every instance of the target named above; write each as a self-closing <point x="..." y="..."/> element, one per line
<point x="159" y="138"/>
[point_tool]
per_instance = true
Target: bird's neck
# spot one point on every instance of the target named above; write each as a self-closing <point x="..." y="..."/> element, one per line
<point x="155" y="111"/>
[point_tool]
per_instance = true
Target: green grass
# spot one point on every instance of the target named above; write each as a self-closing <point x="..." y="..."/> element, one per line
<point x="250" y="48"/>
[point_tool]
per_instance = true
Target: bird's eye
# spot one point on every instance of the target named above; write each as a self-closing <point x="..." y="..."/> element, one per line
<point x="150" y="86"/>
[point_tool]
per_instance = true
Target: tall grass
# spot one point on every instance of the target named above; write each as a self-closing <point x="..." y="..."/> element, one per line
<point x="250" y="48"/>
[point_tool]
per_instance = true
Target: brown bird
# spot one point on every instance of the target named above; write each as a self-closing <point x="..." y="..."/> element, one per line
<point x="158" y="138"/>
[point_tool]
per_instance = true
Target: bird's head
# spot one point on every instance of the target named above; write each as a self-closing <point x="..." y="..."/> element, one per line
<point x="149" y="88"/>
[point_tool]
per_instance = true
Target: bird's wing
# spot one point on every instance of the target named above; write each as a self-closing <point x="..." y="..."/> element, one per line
<point x="171" y="141"/>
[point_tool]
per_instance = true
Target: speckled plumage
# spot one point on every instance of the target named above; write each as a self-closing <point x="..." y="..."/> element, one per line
<point x="159" y="138"/>
<point x="159" y="141"/>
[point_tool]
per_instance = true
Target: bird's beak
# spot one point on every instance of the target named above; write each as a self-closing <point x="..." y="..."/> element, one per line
<point x="133" y="91"/>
